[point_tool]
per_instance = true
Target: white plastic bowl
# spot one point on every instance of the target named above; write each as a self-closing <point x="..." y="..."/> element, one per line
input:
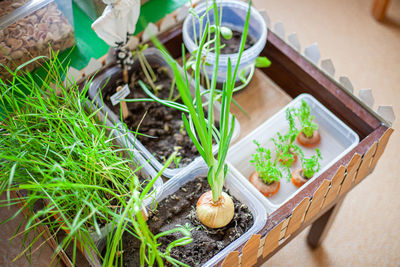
<point x="233" y="16"/>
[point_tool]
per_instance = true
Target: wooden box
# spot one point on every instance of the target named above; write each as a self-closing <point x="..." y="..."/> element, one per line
<point x="290" y="75"/>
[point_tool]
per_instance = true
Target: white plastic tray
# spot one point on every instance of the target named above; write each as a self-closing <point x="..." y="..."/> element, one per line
<point x="154" y="56"/>
<point x="336" y="140"/>
<point x="235" y="189"/>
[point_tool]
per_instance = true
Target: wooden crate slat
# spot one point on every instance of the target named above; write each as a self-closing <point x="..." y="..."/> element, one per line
<point x="335" y="185"/>
<point x="352" y="169"/>
<point x="250" y="251"/>
<point x="232" y="260"/>
<point x="317" y="200"/>
<point x="381" y="147"/>
<point x="286" y="223"/>
<point x="272" y="239"/>
<point x="261" y="248"/>
<point x="365" y="163"/>
<point x="297" y="216"/>
<point x="284" y="228"/>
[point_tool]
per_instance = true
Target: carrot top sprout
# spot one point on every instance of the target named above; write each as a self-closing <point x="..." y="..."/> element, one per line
<point x="266" y="168"/>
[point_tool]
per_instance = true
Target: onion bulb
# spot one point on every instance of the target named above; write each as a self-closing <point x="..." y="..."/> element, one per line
<point x="215" y="214"/>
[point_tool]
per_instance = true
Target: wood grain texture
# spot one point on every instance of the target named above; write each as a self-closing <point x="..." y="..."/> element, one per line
<point x="250" y="251"/>
<point x="381" y="147"/>
<point x="352" y="169"/>
<point x="297" y="216"/>
<point x="316" y="201"/>
<point x="336" y="182"/>
<point x="272" y="239"/>
<point x="365" y="163"/>
<point x="232" y="260"/>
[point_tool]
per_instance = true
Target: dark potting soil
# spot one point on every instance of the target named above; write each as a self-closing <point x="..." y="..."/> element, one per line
<point x="232" y="45"/>
<point x="163" y="124"/>
<point x="180" y="209"/>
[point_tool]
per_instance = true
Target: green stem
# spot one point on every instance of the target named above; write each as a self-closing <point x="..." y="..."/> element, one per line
<point x="218" y="182"/>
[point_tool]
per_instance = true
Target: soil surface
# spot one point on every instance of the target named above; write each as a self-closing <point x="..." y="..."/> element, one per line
<point x="162" y="125"/>
<point x="232" y="45"/>
<point x="180" y="209"/>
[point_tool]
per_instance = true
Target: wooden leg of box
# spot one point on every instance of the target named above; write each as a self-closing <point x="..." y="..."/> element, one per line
<point x="321" y="226"/>
<point x="379" y="8"/>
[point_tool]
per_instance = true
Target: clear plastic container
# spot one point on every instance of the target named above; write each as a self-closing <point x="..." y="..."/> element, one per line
<point x="233" y="16"/>
<point x="111" y="75"/>
<point x="92" y="8"/>
<point x="8" y="6"/>
<point x="27" y="30"/>
<point x="337" y="139"/>
<point x="235" y="189"/>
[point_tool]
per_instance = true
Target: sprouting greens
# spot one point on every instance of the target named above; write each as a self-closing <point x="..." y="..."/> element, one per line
<point x="146" y="67"/>
<point x="284" y="144"/>
<point x="54" y="148"/>
<point x="311" y="166"/>
<point x="305" y="119"/>
<point x="286" y="151"/>
<point x="267" y="168"/>
<point x="199" y="126"/>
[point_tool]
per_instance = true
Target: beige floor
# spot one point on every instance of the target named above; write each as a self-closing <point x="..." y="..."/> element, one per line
<point x="366" y="231"/>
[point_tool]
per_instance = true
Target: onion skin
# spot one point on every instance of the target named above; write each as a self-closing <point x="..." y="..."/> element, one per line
<point x="309" y="142"/>
<point x="215" y="215"/>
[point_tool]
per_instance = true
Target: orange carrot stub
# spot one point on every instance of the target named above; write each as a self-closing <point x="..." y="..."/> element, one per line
<point x="284" y="162"/>
<point x="267" y="190"/>
<point x="309" y="142"/>
<point x="298" y="178"/>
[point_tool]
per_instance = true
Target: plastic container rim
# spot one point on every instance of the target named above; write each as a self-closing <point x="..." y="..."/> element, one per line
<point x="253" y="50"/>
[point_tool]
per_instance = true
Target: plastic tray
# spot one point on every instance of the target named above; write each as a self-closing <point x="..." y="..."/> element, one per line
<point x="154" y="57"/>
<point x="336" y="140"/>
<point x="236" y="189"/>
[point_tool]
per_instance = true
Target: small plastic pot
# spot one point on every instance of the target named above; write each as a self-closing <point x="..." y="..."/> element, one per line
<point x="233" y="16"/>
